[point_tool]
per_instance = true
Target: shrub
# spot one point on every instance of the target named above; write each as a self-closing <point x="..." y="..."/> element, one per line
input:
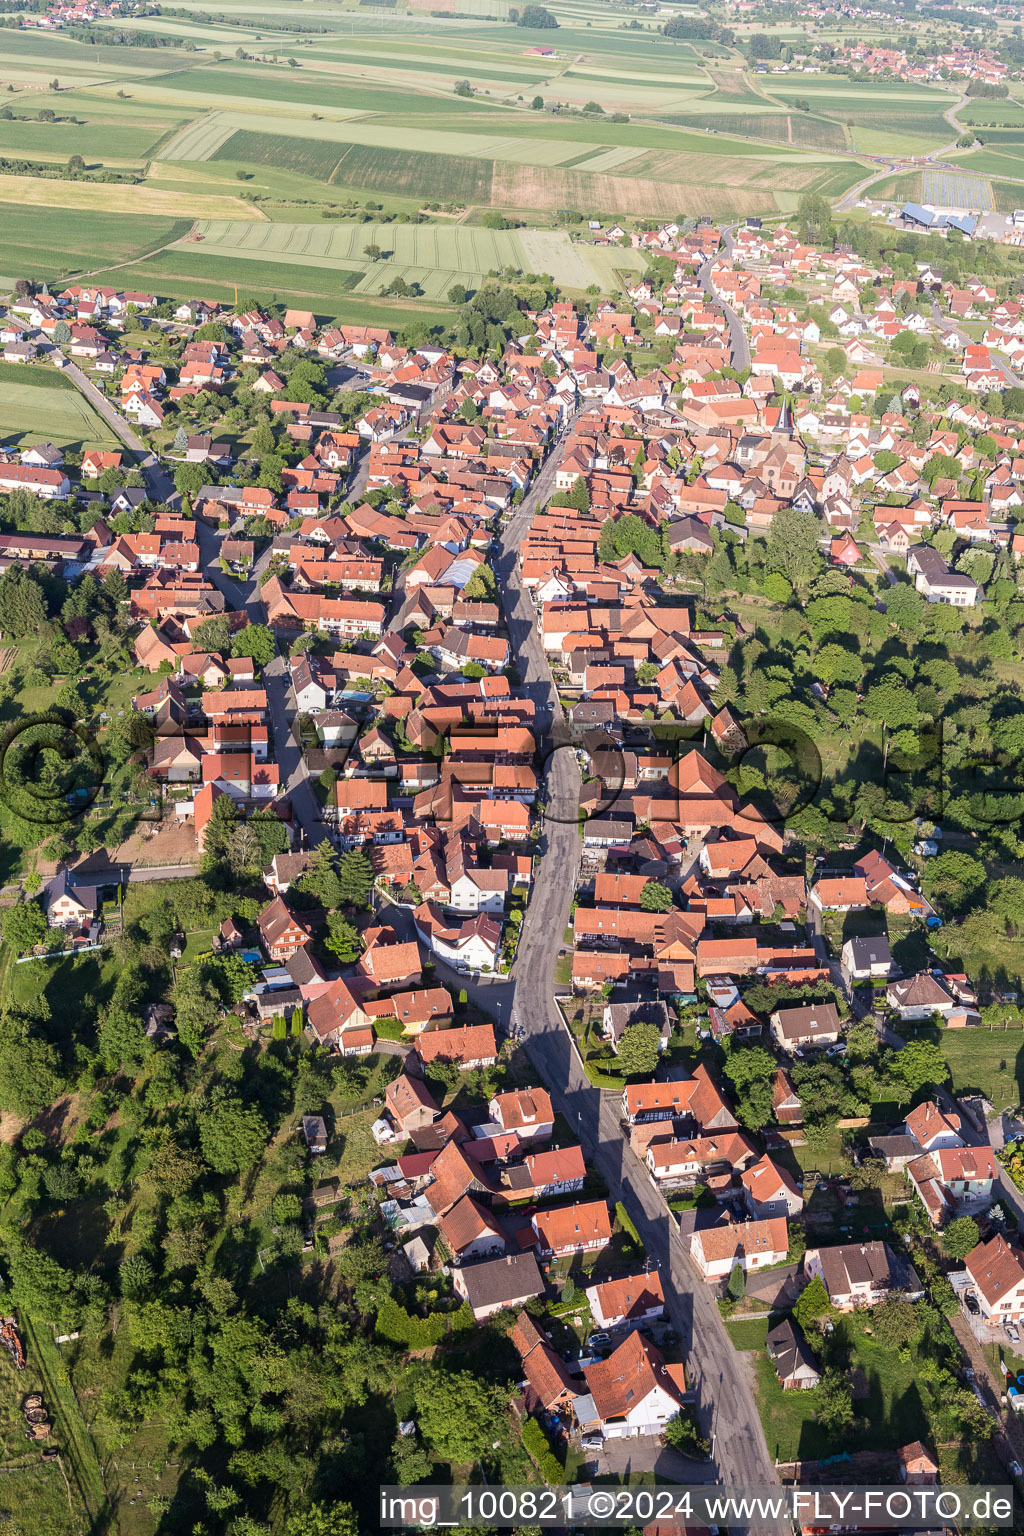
<point x="535" y="1442"/>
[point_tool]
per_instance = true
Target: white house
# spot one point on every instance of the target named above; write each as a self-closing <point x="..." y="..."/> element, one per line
<point x="769" y="1190"/>
<point x="634" y="1392"/>
<point x="473" y="945"/>
<point x="627" y="1302"/>
<point x="751" y="1244"/>
<point x="528" y="1112"/>
<point x="997" y="1270"/>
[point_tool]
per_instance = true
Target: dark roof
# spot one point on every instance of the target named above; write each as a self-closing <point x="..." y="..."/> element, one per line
<point x="505" y="1281"/>
<point x="789" y="1349"/>
<point x="302" y="967"/>
<point x="870" y="951"/>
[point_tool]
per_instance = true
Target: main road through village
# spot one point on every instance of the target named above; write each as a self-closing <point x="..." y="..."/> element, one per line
<point x="716" y="1372"/>
<point x="525" y="1001"/>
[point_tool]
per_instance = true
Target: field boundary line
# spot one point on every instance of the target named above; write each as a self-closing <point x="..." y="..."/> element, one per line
<point x="85" y="1462"/>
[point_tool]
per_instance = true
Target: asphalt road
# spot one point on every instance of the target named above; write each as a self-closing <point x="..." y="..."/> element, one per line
<point x="739" y="350"/>
<point x="716" y="1372"/>
<point x="159" y="484"/>
<point x="728" y="1413"/>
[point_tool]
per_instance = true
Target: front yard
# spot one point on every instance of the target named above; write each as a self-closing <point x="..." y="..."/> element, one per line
<point x="898" y="1395"/>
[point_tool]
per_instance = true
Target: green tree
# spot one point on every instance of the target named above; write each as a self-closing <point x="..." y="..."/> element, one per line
<point x="920" y="1064"/>
<point x="24" y="926"/>
<point x="811" y="1305"/>
<point x="342" y="939"/>
<point x="814" y="216"/>
<point x="960" y="1237"/>
<point x="121" y="1040"/>
<point x="736" y="1286"/>
<point x="232" y="1135"/>
<point x="896" y="1323"/>
<point x="792" y="547"/>
<point x="637" y="1051"/>
<point x="220" y="830"/>
<point x="537" y="17"/>
<point x="834" y="1402"/>
<point x="336" y="1519"/>
<point x="30" y="1076"/>
<point x="460" y="1415"/>
<point x="189" y="479"/>
<point x="481" y="584"/>
<point x="655" y="897"/>
<point x="355" y="878"/>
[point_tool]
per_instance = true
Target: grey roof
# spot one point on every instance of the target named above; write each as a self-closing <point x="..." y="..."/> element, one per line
<point x="870" y="951"/>
<point x="622" y="1014"/>
<point x="811" y="1019"/>
<point x="789" y="1350"/>
<point x="852" y="1264"/>
<point x="503" y="1281"/>
<point x="891" y="1147"/>
<point x="278" y="1000"/>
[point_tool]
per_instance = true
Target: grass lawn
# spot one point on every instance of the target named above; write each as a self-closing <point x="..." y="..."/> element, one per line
<point x="73" y="988"/>
<point x="989" y="1061"/>
<point x="198" y="942"/>
<point x="889" y="1402"/>
<point x="58" y="416"/>
<point x="749" y="1333"/>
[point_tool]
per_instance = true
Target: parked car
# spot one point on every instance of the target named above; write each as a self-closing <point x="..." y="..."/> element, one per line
<point x="1012" y="1331"/>
<point x="592" y="1442"/>
<point x="971" y="1303"/>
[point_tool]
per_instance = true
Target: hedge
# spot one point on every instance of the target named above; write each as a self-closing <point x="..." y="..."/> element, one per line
<point x="398" y="1326"/>
<point x="625" y="1222"/>
<point x="535" y="1442"/>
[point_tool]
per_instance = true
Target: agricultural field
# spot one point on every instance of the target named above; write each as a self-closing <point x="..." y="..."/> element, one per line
<point x="912" y="115"/>
<point x="432" y="256"/>
<point x="34" y="240"/>
<point x="947" y="190"/>
<point x="356" y="104"/>
<point x="31" y="411"/>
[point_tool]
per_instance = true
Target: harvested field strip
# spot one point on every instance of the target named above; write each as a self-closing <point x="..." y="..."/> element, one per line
<point x="609" y="159"/>
<point x="199" y="140"/>
<point x="517" y="186"/>
<point x="108" y="197"/>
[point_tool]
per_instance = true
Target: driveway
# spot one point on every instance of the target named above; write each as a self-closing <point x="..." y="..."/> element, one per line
<point x="647" y="1453"/>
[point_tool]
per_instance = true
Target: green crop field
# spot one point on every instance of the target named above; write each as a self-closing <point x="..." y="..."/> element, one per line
<point x="451" y="178"/>
<point x="35" y="241"/>
<point x="94" y="139"/>
<point x="430" y="255"/>
<point x="983" y="113"/>
<point x="309" y="157"/>
<point x="60" y="416"/>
